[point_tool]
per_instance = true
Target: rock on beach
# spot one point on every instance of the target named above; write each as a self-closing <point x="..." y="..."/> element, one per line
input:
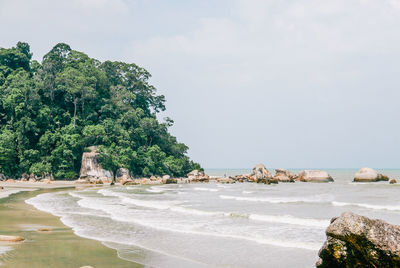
<point x="11" y="238"/>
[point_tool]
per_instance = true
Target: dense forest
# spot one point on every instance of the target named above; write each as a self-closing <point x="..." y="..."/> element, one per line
<point x="51" y="111"/>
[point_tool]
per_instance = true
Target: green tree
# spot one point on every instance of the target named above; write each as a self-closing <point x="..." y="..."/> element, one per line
<point x="51" y="110"/>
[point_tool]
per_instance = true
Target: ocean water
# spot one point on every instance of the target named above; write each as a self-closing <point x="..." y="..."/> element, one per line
<point x="220" y="225"/>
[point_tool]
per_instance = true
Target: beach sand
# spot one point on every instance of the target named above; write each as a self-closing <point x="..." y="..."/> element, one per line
<point x="57" y="248"/>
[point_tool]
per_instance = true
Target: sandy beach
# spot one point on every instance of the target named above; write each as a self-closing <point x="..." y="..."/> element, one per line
<point x="59" y="247"/>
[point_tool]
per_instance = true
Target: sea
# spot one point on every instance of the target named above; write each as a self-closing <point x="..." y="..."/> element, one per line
<point x="221" y="225"/>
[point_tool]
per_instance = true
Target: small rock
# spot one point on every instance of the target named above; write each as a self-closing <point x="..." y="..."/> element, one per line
<point x="393" y="181"/>
<point x="11" y="238"/>
<point x="45" y="229"/>
<point x="1" y="187"/>
<point x="225" y="180"/>
<point x="127" y="181"/>
<point x="171" y="181"/>
<point x="47" y="181"/>
<point x="81" y="181"/>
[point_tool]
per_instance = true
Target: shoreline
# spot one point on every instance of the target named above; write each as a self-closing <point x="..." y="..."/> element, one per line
<point x="60" y="247"/>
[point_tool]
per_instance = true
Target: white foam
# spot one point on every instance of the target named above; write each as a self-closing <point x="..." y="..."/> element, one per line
<point x="106" y="192"/>
<point x="275" y="200"/>
<point x="153" y="190"/>
<point x="149" y="204"/>
<point x="288" y="219"/>
<point x="192" y="211"/>
<point x="75" y="194"/>
<point x="4" y="250"/>
<point x="273" y="242"/>
<point x="120" y="214"/>
<point x="206" y="189"/>
<point x="247" y="192"/>
<point x="369" y="206"/>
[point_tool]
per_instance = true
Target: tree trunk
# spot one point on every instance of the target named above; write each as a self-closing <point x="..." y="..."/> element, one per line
<point x="74" y="110"/>
<point x="83" y="105"/>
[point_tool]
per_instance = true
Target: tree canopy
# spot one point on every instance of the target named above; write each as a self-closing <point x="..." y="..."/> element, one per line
<point x="51" y="111"/>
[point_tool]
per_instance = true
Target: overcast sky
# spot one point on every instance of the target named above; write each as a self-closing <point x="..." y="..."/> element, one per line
<point x="296" y="84"/>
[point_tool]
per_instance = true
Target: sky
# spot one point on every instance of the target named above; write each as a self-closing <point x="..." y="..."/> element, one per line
<point x="291" y="84"/>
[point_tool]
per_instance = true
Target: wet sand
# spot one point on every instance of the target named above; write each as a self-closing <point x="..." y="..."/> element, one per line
<point x="57" y="248"/>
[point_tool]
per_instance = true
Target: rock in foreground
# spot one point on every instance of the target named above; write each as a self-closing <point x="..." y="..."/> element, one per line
<point x="314" y="176"/>
<point x="357" y="241"/>
<point x="369" y="175"/>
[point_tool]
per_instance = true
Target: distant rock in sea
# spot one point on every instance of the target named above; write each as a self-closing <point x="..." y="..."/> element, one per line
<point x="284" y="175"/>
<point x="357" y="241"/>
<point x="314" y="176"/>
<point x="369" y="175"/>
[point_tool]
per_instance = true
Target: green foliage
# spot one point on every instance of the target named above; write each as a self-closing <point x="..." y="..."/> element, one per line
<point x="51" y="111"/>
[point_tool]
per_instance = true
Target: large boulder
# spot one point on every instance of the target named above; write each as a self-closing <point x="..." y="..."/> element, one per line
<point x="91" y="168"/>
<point x="369" y="175"/>
<point x="357" y="241"/>
<point x="2" y="177"/>
<point x="314" y="176"/>
<point x="122" y="174"/>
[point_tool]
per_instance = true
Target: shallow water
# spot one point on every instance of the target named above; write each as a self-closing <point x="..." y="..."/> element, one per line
<point x="219" y="225"/>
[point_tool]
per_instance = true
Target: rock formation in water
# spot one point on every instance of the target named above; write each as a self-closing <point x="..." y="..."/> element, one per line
<point x="369" y="175"/>
<point x="197" y="176"/>
<point x="357" y="241"/>
<point x="284" y="175"/>
<point x="91" y="170"/>
<point x="314" y="176"/>
<point x="260" y="174"/>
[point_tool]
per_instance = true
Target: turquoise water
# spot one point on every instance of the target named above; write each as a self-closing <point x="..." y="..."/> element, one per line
<point x="219" y="225"/>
